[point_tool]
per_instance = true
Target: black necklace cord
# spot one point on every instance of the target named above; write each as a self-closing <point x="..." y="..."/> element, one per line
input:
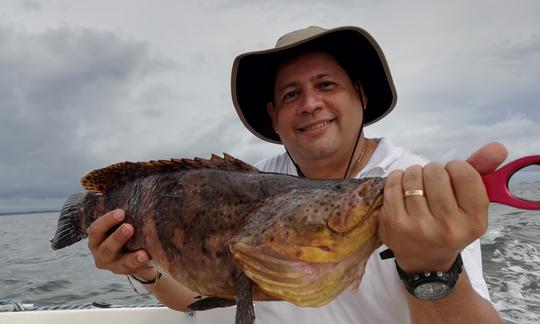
<point x="298" y="171"/>
<point x="357" y="137"/>
<point x="354" y="149"/>
<point x="301" y="174"/>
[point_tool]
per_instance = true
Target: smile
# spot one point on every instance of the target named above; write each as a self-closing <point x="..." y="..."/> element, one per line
<point x="316" y="126"/>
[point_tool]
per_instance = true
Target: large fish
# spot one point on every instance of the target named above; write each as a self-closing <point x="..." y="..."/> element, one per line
<point x="230" y="232"/>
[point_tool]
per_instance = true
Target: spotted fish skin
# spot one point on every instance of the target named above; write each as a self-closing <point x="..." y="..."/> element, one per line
<point x="202" y="221"/>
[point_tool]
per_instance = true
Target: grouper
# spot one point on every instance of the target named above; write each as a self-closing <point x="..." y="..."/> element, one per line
<point x="234" y="234"/>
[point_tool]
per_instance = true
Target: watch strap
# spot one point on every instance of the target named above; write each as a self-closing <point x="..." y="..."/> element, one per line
<point x="413" y="280"/>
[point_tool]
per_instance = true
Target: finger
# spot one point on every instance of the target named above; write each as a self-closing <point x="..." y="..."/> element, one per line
<point x="469" y="189"/>
<point x="416" y="205"/>
<point x="135" y="260"/>
<point x="440" y="197"/>
<point x="110" y="249"/>
<point x="393" y="193"/>
<point x="393" y="206"/>
<point x="125" y="263"/>
<point x="98" y="230"/>
<point x="488" y="157"/>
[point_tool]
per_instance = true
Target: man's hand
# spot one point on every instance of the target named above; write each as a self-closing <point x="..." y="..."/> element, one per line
<point x="427" y="232"/>
<point x="107" y="249"/>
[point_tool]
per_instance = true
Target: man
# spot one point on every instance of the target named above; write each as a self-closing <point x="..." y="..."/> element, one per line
<point x="313" y="93"/>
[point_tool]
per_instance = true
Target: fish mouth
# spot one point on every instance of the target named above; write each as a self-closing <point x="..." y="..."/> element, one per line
<point x="358" y="206"/>
<point x="299" y="282"/>
<point x="325" y="245"/>
<point x="348" y="228"/>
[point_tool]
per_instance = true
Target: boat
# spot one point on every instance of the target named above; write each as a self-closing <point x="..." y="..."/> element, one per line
<point x="114" y="315"/>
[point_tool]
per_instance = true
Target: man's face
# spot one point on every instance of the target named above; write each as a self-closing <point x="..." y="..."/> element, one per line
<point x="317" y="109"/>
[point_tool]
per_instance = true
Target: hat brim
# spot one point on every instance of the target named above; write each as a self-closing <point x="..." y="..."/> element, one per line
<point x="253" y="76"/>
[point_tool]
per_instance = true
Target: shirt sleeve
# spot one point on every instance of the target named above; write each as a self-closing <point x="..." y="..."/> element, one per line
<point x="472" y="262"/>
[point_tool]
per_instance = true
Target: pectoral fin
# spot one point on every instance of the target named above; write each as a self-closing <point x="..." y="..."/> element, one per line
<point x="210" y="303"/>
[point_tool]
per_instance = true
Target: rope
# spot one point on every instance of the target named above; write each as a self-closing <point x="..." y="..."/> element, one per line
<point x="14" y="306"/>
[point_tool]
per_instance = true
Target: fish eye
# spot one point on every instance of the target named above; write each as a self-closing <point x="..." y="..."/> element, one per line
<point x="338" y="186"/>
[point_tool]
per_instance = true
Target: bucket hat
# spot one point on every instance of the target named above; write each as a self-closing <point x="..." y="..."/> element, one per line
<point x="253" y="73"/>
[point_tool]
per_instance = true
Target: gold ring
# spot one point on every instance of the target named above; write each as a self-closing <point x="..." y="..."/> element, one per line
<point x="413" y="192"/>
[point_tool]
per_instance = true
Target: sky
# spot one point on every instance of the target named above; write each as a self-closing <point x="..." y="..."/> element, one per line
<point x="84" y="84"/>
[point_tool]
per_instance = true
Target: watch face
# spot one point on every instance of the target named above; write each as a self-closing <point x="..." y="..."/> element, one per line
<point x="431" y="290"/>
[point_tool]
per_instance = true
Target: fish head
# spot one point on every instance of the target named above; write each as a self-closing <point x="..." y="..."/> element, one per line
<point x="311" y="243"/>
<point x="325" y="224"/>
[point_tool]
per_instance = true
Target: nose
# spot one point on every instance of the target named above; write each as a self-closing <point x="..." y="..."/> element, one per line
<point x="311" y="101"/>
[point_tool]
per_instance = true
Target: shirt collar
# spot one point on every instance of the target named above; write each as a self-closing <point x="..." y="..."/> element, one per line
<point x="384" y="155"/>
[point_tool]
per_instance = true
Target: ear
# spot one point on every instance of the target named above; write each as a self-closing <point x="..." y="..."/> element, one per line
<point x="272" y="112"/>
<point x="361" y="94"/>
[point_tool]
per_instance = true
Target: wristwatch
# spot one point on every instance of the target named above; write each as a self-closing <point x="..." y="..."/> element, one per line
<point x="432" y="285"/>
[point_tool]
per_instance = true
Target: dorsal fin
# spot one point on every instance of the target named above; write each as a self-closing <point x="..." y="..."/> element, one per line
<point x="102" y="180"/>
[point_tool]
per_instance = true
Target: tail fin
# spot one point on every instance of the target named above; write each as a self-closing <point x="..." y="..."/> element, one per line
<point x="70" y="224"/>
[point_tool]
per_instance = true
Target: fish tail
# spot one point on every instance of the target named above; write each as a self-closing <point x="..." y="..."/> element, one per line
<point x="70" y="228"/>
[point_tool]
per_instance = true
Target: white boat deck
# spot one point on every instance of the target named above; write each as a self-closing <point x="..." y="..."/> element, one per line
<point x="143" y="315"/>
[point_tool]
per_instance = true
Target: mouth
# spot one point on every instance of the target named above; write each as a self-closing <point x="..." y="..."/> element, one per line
<point x="316" y="126"/>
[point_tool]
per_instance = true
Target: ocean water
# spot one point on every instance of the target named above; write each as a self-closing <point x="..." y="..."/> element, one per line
<point x="511" y="259"/>
<point x="31" y="272"/>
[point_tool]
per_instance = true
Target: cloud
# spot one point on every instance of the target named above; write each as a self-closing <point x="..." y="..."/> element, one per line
<point x="441" y="143"/>
<point x="65" y="95"/>
<point x="31" y="5"/>
<point x="83" y="85"/>
<point x="512" y="52"/>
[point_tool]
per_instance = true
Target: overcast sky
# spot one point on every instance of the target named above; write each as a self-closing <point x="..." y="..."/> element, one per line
<point x="84" y="84"/>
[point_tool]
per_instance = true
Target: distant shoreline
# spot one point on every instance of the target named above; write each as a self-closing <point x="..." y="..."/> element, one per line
<point x="29" y="212"/>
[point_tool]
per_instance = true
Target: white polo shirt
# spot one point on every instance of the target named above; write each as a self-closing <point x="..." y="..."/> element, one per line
<point x="381" y="296"/>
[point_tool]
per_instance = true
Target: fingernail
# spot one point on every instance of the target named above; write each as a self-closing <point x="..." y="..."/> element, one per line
<point x="125" y="230"/>
<point x="118" y="215"/>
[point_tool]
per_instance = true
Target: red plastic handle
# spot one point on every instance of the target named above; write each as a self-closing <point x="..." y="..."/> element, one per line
<point x="497" y="184"/>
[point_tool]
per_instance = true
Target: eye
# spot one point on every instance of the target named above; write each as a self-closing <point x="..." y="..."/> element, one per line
<point x="289" y="95"/>
<point x="338" y="186"/>
<point x="325" y="84"/>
